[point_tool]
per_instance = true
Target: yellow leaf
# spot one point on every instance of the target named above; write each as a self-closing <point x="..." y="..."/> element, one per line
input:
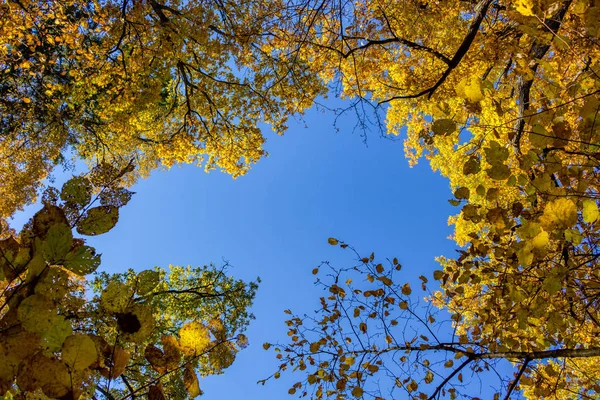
<point x="559" y="214"/>
<point x="429" y="377"/>
<point x="525" y="7"/>
<point x="190" y="381"/>
<point x="385" y="280"/>
<point x="470" y="89"/>
<point x="541" y="240"/>
<point x="194" y="337"/>
<point x="525" y="256"/>
<point x="590" y="211"/>
<point x="332" y="241"/>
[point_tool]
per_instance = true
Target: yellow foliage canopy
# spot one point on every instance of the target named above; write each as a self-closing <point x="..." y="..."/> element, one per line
<point x="145" y="83"/>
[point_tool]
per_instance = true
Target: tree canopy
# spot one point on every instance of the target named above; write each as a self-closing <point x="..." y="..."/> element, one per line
<point x="503" y="99"/>
<point x="139" y="81"/>
<point x="500" y="97"/>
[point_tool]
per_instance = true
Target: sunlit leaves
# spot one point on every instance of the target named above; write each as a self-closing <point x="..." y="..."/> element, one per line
<point x="193" y="338"/>
<point x="559" y="214"/>
<point x="147" y="281"/>
<point x="60" y="341"/>
<point x="470" y="89"/>
<point x="590" y="211"/>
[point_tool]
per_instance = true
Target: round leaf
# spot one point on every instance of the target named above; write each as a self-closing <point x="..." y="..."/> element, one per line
<point x="498" y="172"/>
<point x="77" y="191"/>
<point x="443" y="127"/>
<point x="147" y="281"/>
<point x="79" y="352"/>
<point x="193" y="338"/>
<point x="57" y="243"/>
<point x="82" y="260"/>
<point x="98" y="220"/>
<point x="115" y="297"/>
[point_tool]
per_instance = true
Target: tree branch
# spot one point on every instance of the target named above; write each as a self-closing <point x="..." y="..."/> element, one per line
<point x="480" y="12"/>
<point x="537" y="52"/>
<point x="514" y="383"/>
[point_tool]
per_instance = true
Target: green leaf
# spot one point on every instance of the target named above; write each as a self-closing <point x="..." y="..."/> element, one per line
<point x="37" y="313"/>
<point x="77" y="191"/>
<point x="98" y="220"/>
<point x="57" y="243"/>
<point x="147" y="281"/>
<point x="82" y="260"/>
<point x="56" y="335"/>
<point x="35" y="266"/>
<point x="115" y="297"/>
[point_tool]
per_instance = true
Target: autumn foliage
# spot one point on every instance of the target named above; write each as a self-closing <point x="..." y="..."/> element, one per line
<point x="500" y="97"/>
<point x="143" y="81"/>
<point x="503" y="99"/>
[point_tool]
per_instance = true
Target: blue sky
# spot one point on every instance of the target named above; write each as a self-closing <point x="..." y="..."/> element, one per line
<point x="274" y="223"/>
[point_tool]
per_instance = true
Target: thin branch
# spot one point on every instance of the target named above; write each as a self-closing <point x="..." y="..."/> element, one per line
<point x="447" y="379"/>
<point x="537" y="52"/>
<point x="514" y="383"/>
<point x="480" y="12"/>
